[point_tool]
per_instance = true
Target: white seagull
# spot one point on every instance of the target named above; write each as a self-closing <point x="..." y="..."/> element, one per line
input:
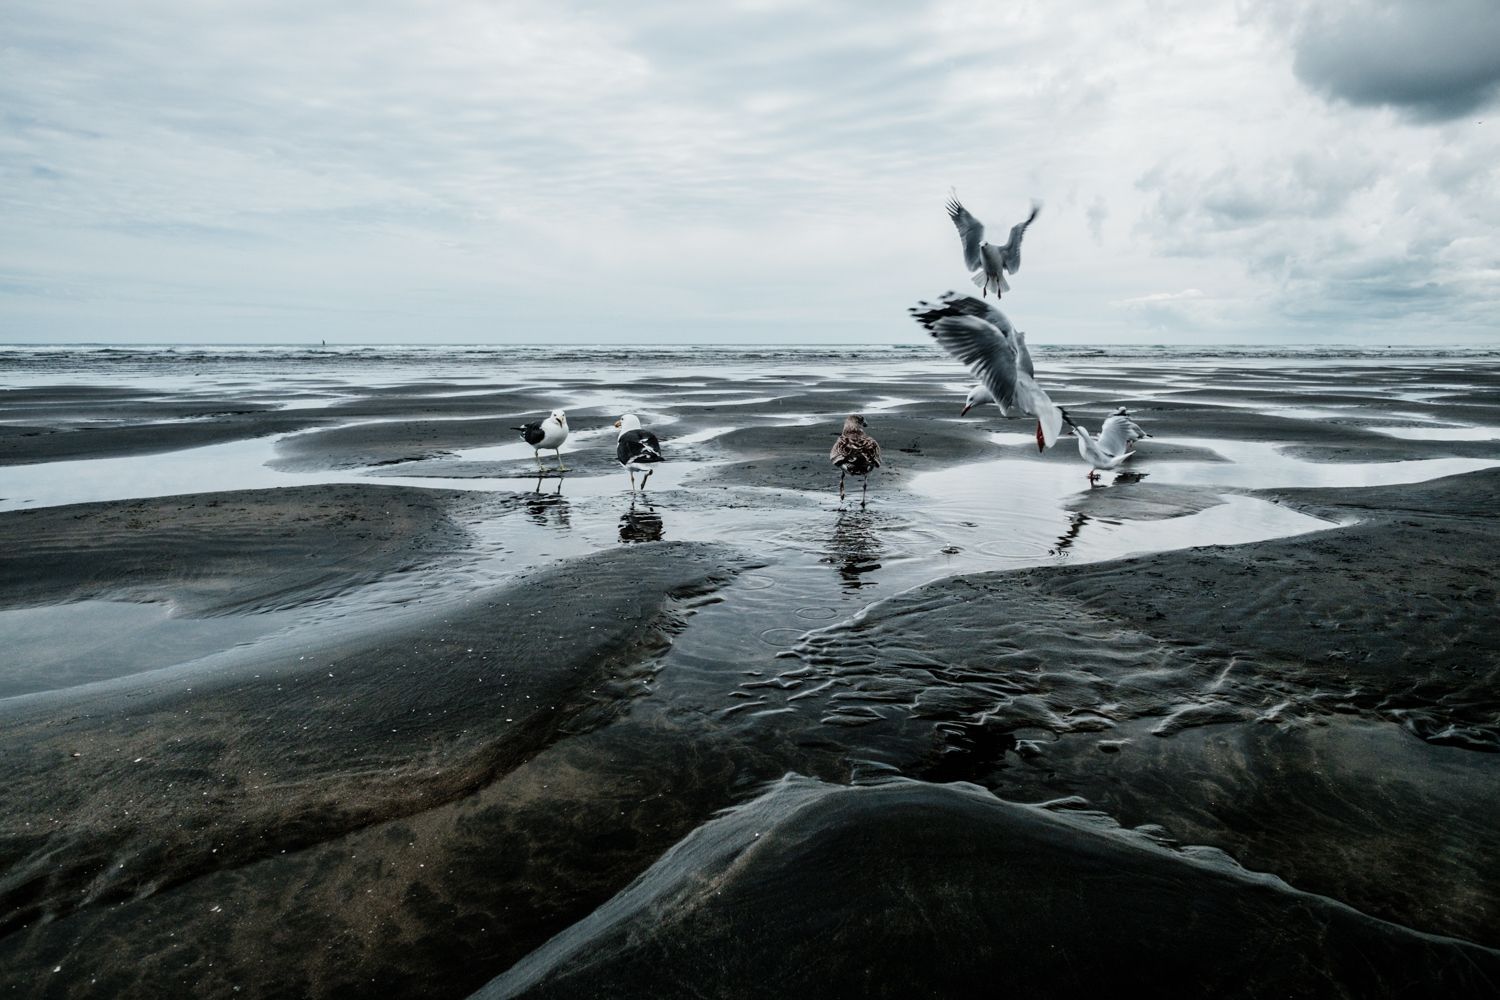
<point x="987" y="263"/>
<point x="636" y="448"/>
<point x="549" y="433"/>
<point x="996" y="356"/>
<point x="1093" y="452"/>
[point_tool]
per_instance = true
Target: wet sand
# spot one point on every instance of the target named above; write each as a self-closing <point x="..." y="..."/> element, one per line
<point x="374" y="709"/>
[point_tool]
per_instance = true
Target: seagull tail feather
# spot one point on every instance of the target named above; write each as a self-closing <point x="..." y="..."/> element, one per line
<point x="1048" y="426"/>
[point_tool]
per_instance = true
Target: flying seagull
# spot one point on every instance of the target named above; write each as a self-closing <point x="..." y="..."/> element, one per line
<point x="549" y="433"/>
<point x="987" y="263"/>
<point x="855" y="453"/>
<point x="995" y="357"/>
<point x="636" y="448"/>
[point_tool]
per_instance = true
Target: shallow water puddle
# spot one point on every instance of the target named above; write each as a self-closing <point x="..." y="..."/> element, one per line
<point x="1262" y="465"/>
<point x="1018" y="509"/>
<point x="1446" y="432"/>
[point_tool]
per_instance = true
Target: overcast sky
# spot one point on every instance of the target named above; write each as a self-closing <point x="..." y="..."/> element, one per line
<point x="462" y="171"/>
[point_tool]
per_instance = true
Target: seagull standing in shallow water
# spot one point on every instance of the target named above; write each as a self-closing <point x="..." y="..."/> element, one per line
<point x="967" y="329"/>
<point x="636" y="448"/>
<point x="855" y="453"/>
<point x="986" y="262"/>
<point x="549" y="433"/>
<point x="1094" y="453"/>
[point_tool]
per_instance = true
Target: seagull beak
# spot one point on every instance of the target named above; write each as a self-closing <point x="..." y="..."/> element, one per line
<point x="617" y="423"/>
<point x="966" y="409"/>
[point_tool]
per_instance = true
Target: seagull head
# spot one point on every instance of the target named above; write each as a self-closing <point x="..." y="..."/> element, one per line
<point x="855" y="422"/>
<point x="628" y="422"/>
<point x="560" y="417"/>
<point x="977" y="394"/>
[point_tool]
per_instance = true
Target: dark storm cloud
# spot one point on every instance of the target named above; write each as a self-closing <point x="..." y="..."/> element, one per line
<point x="1435" y="60"/>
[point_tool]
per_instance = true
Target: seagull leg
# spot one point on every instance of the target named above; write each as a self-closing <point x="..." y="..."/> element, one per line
<point x="864" y="491"/>
<point x="646" y="480"/>
<point x="537" y="454"/>
<point x="841" y="483"/>
<point x="632" y="481"/>
<point x="560" y="466"/>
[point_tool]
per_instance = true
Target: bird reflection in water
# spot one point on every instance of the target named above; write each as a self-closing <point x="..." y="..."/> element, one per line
<point x="640" y="525"/>
<point x="1066" y="539"/>
<point x="550" y="510"/>
<point x="855" y="548"/>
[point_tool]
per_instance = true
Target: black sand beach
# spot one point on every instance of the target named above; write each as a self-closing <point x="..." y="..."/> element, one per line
<point x="347" y="699"/>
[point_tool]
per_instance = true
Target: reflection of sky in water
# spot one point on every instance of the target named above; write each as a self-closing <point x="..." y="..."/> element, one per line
<point x="1016" y="509"/>
<point x="1262" y="465"/>
<point x="1445" y="433"/>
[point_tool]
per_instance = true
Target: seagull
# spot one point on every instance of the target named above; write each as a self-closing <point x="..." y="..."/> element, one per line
<point x="986" y="262"/>
<point x="636" y="449"/>
<point x="855" y="453"/>
<point x="998" y="357"/>
<point x="549" y="433"/>
<point x="1119" y="432"/>
<point x="1093" y="452"/>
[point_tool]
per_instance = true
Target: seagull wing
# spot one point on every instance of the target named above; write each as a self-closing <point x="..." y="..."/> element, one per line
<point x="1117" y="433"/>
<point x="856" y="452"/>
<point x="1012" y="249"/>
<point x="1023" y="356"/>
<point x="970" y="231"/>
<point x="531" y="433"/>
<point x="986" y="351"/>
<point x="954" y="304"/>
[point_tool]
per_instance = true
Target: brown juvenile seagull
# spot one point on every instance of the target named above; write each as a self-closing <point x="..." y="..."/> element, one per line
<point x="855" y="453"/>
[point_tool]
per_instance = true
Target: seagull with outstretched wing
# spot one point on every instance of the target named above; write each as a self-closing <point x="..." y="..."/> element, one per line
<point x="954" y="304"/>
<point x="988" y="263"/>
<point x="1119" y="432"/>
<point x="994" y="357"/>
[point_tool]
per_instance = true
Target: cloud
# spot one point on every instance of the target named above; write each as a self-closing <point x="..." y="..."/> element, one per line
<point x="1433" y="60"/>
<point x="762" y="170"/>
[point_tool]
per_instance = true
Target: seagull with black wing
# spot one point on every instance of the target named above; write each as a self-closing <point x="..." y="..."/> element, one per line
<point x="636" y="448"/>
<point x="549" y="433"/>
<point x="988" y="263"/>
